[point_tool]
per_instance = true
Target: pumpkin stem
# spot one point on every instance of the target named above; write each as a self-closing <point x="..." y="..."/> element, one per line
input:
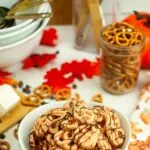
<point x="147" y="23"/>
<point x="140" y="16"/>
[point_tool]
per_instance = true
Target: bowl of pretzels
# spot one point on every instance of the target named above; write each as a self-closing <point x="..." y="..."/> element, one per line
<point x="74" y="125"/>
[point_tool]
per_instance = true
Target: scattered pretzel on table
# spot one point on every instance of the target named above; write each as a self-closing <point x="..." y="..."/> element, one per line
<point x="43" y="91"/>
<point x="4" y="145"/>
<point x="97" y="98"/>
<point x="140" y="145"/>
<point x="31" y="100"/>
<point x="145" y="117"/>
<point x="135" y="129"/>
<point x="16" y="133"/>
<point x="145" y="94"/>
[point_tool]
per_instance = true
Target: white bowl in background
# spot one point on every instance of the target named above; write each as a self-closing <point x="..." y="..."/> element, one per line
<point x="19" y="23"/>
<point x="11" y="54"/>
<point x="13" y="37"/>
<point x="10" y="38"/>
<point x="29" y="121"/>
<point x="40" y="9"/>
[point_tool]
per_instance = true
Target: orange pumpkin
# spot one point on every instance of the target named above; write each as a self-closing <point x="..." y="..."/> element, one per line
<point x="142" y="22"/>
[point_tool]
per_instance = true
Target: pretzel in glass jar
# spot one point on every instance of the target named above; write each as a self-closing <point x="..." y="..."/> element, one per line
<point x="121" y="58"/>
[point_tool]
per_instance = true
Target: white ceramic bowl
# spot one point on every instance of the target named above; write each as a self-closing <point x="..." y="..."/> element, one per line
<point x="11" y="54"/>
<point x="19" y="23"/>
<point x="12" y="37"/>
<point x="20" y="34"/>
<point x="28" y="123"/>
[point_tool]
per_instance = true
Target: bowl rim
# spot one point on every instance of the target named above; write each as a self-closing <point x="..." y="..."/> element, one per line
<point x="17" y="32"/>
<point x="42" y="26"/>
<point x="62" y="103"/>
<point x="2" y="31"/>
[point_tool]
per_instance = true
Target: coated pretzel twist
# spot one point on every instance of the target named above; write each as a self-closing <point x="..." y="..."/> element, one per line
<point x="116" y="137"/>
<point x="103" y="143"/>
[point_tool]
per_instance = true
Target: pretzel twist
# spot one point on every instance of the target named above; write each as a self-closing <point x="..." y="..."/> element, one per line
<point x="43" y="91"/>
<point x="31" y="100"/>
<point x="103" y="142"/>
<point x="63" y="94"/>
<point x="116" y="137"/>
<point x="97" y="98"/>
<point x="121" y="39"/>
<point x="4" y="145"/>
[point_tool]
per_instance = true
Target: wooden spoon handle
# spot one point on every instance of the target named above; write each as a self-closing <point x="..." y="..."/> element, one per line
<point x="83" y="16"/>
<point x="29" y="16"/>
<point x="81" y="36"/>
<point x="96" y="20"/>
<point x="25" y="5"/>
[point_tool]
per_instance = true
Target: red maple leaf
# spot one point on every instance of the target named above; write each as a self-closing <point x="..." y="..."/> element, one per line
<point x="74" y="68"/>
<point x="4" y="73"/>
<point x="1" y="81"/>
<point x="93" y="69"/>
<point x="58" y="79"/>
<point x="4" y="79"/>
<point x="42" y="60"/>
<point x="50" y="37"/>
<point x="38" y="60"/>
<point x="86" y="67"/>
<point x="28" y="63"/>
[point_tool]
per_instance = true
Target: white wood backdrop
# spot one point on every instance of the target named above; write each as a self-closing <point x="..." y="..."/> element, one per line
<point x="123" y="7"/>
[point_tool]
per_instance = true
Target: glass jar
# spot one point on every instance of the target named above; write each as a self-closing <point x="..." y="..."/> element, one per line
<point x="120" y="66"/>
<point x="84" y="25"/>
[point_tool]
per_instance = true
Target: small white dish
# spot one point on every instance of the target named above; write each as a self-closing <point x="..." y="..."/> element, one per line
<point x="19" y="23"/>
<point x="28" y="122"/>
